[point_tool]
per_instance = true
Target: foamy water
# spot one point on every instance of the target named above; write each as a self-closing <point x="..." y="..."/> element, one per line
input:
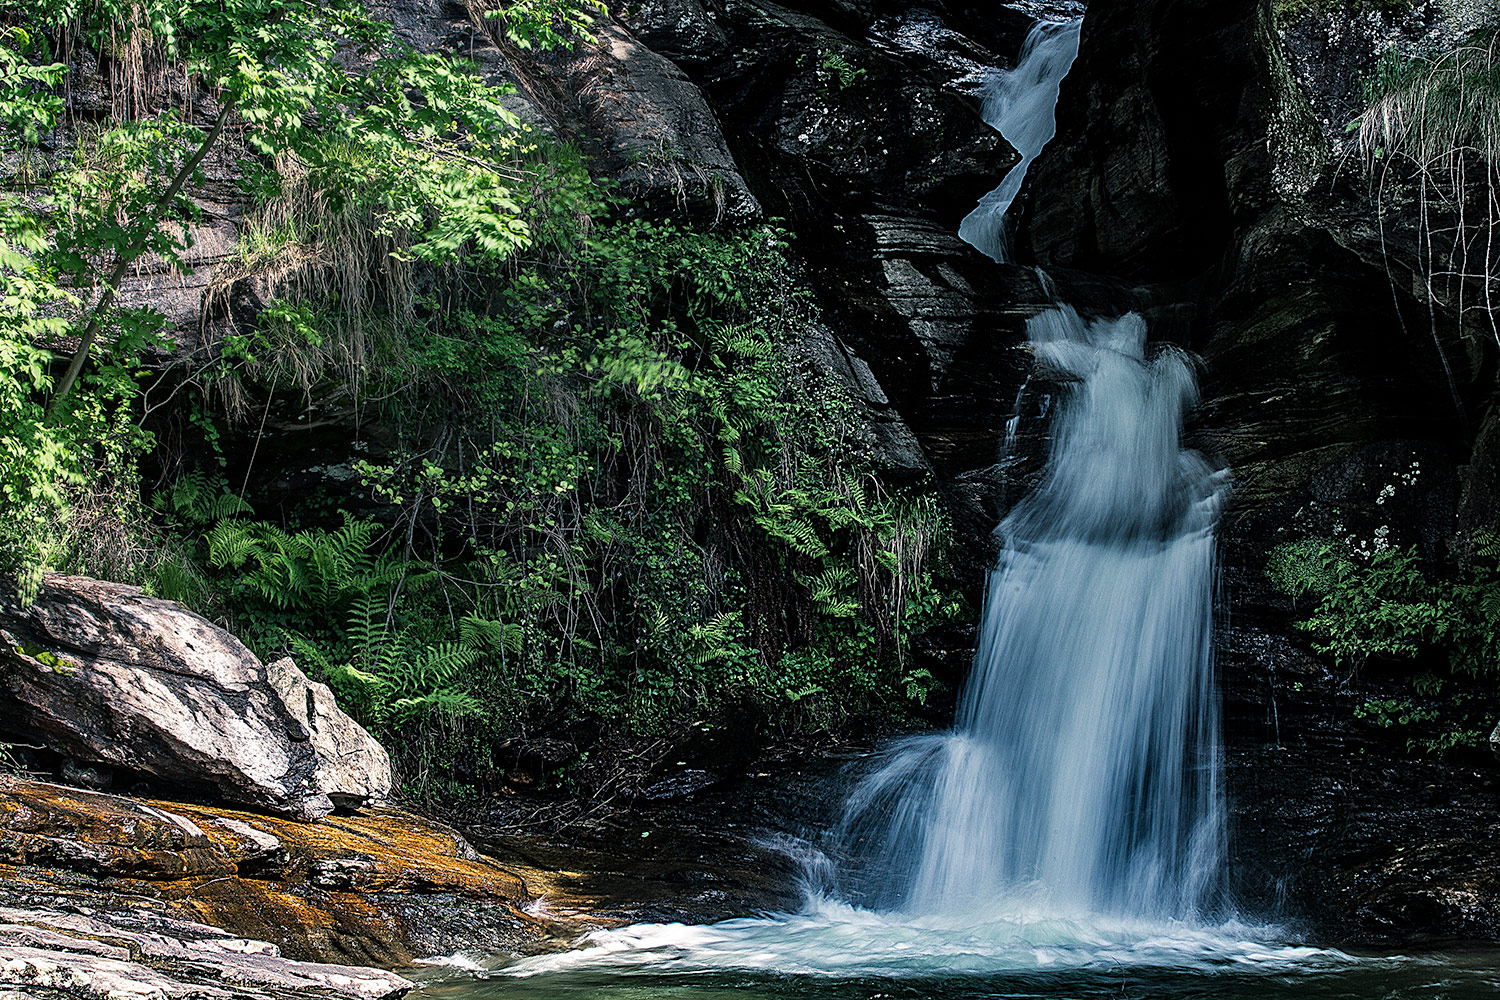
<point x="834" y="939"/>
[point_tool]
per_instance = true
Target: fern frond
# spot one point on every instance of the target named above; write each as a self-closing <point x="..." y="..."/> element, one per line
<point x="441" y="663"/>
<point x="486" y="633"/>
<point x="231" y="544"/>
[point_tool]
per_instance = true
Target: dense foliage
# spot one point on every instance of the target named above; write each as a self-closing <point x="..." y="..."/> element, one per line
<point x="1442" y="630"/>
<point x="605" y="472"/>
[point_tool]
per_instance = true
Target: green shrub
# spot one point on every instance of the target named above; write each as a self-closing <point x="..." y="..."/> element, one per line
<point x="1388" y="606"/>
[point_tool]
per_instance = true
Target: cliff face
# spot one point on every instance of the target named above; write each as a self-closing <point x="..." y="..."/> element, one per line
<point x="1195" y="175"/>
<point x="859" y="124"/>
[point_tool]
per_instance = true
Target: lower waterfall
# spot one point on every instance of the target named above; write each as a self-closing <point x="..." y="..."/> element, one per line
<point x="1080" y="777"/>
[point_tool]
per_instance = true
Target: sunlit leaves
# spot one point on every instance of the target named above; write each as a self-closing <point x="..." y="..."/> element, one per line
<point x="547" y="24"/>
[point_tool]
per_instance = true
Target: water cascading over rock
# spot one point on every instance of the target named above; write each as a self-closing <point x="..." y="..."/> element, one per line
<point x="1021" y="105"/>
<point x="1080" y="777"/>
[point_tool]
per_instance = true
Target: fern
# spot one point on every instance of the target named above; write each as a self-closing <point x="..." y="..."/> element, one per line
<point x="487" y="634"/>
<point x="195" y="499"/>
<point x="389" y="679"/>
<point x="231" y="544"/>
<point x="434" y="668"/>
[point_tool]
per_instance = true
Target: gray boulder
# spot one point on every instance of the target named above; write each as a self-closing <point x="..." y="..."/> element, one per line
<point x="658" y="135"/>
<point x="352" y="767"/>
<point x="105" y="674"/>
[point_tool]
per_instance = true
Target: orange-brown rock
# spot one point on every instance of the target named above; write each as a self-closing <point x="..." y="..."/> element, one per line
<point x="378" y="888"/>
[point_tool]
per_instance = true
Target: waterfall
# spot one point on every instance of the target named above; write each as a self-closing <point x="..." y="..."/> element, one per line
<point x="1080" y="777"/>
<point x="1021" y="105"/>
<point x="1073" y="815"/>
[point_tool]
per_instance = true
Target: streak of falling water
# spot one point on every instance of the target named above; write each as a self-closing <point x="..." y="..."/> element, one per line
<point x="1021" y="105"/>
<point x="1080" y="778"/>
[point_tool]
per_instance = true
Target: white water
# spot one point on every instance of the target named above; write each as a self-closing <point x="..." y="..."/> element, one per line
<point x="1080" y="781"/>
<point x="1072" y="819"/>
<point x="1021" y="105"/>
<point x="832" y="939"/>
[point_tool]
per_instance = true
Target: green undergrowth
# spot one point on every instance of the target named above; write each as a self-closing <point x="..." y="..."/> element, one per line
<point x="602" y="480"/>
<point x="623" y="491"/>
<point x="1438" y="631"/>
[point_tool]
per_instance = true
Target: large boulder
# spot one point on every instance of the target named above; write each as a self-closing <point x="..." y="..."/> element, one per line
<point x="658" y="136"/>
<point x="352" y="768"/>
<point x="105" y="674"/>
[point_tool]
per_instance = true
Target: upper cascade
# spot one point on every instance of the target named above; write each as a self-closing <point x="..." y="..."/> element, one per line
<point x="1021" y="104"/>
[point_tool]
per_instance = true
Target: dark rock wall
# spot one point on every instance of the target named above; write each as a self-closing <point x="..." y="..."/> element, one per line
<point x="1176" y="125"/>
<point x="1195" y="155"/>
<point x="1190" y="159"/>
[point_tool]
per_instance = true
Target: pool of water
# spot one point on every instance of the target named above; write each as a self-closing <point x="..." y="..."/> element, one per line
<point x="1430" y="979"/>
<point x="836" y="952"/>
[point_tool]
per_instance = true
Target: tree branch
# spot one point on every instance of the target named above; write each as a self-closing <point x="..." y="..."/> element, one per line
<point x="128" y="257"/>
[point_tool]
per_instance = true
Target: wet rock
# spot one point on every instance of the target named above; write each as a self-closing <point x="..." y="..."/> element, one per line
<point x="165" y="958"/>
<point x="634" y="871"/>
<point x="1333" y="51"/>
<point x="379" y="889"/>
<point x="682" y="30"/>
<point x="76" y="773"/>
<point x="105" y="674"/>
<point x="1360" y="843"/>
<point x="683" y="784"/>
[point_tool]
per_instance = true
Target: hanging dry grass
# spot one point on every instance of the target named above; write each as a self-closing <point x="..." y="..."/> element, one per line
<point x="1440" y="116"/>
<point x="309" y="246"/>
